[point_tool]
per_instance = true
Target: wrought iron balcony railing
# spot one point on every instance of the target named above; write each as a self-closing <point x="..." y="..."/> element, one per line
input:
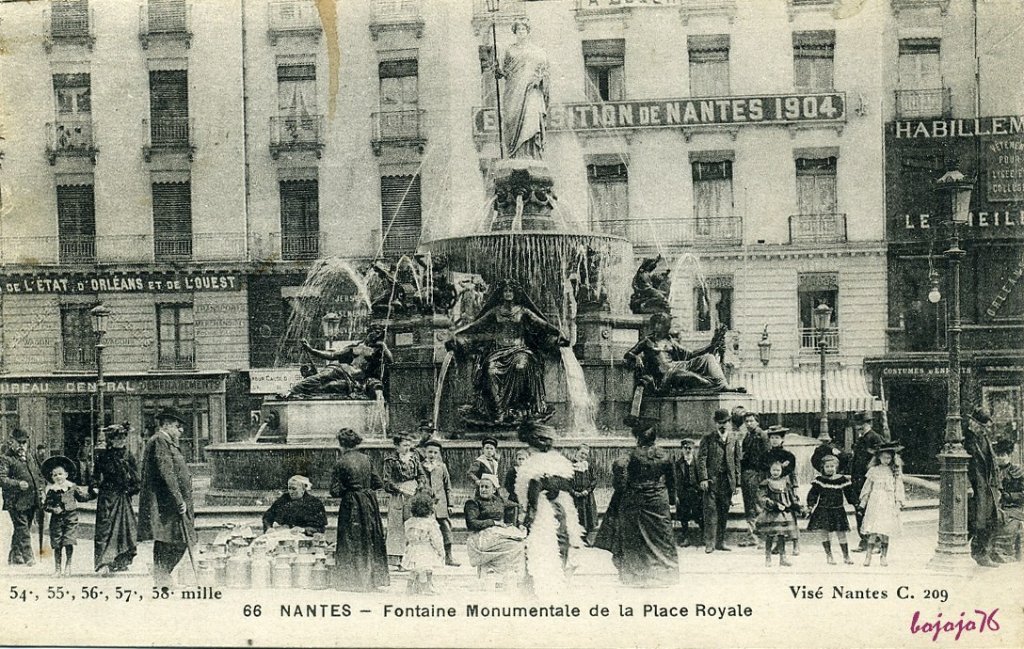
<point x="77" y="249"/>
<point x="70" y="137"/>
<point x="817" y="228"/>
<point x="401" y="127"/>
<point x="75" y="355"/>
<point x="69" y="23"/>
<point x="165" y="20"/>
<point x="810" y="338"/>
<point x="178" y="361"/>
<point x="298" y="18"/>
<point x="718" y="230"/>
<point x="296" y="133"/>
<point x="172" y="247"/>
<point x="915" y="104"/>
<point x="300" y="246"/>
<point x="169" y="134"/>
<point x="397" y="15"/>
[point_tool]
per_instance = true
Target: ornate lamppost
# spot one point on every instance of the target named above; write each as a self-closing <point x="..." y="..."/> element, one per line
<point x="953" y="551"/>
<point x="822" y="321"/>
<point x="100" y="314"/>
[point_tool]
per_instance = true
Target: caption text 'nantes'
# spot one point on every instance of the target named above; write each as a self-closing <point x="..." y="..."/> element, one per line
<point x="553" y="610"/>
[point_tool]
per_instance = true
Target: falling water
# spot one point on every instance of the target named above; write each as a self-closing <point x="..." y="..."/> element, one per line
<point x="382" y="412"/>
<point x="582" y="405"/>
<point x="439" y="388"/>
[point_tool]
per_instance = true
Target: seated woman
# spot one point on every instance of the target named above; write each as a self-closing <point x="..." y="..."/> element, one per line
<point x="297" y="508"/>
<point x="495" y="544"/>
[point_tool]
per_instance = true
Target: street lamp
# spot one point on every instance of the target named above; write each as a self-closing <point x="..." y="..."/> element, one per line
<point x="953" y="551"/>
<point x="100" y="314"/>
<point x="331" y="323"/>
<point x="822" y="320"/>
<point x="764" y="347"/>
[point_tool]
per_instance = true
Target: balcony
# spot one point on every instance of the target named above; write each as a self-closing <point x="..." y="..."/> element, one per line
<point x="169" y="134"/>
<point x="178" y="361"/>
<point x="398" y="128"/>
<point x="903" y="5"/>
<point x="164" y="21"/>
<point x="68" y="23"/>
<point x="923" y="104"/>
<point x="172" y="247"/>
<point x="396" y="16"/>
<point x="810" y="337"/>
<point x="296" y="134"/>
<point x="75" y="356"/>
<point x="715" y="231"/>
<point x="293" y="18"/>
<point x="689" y="9"/>
<point x="71" y="138"/>
<point x="817" y="228"/>
<point x="300" y="246"/>
<point x="77" y="249"/>
<point x="482" y="18"/>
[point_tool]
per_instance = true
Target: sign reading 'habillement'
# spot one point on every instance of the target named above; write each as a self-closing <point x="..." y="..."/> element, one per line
<point x="675" y="113"/>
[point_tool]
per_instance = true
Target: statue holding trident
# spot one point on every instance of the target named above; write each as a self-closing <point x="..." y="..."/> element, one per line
<point x="525" y="99"/>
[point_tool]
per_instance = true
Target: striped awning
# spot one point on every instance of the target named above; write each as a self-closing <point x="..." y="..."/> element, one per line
<point x="799" y="390"/>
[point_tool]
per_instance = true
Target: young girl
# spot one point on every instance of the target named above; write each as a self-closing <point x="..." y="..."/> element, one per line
<point x="583" y="484"/>
<point x="424" y="546"/>
<point x="882" y="499"/>
<point x="60" y="499"/>
<point x="826" y="502"/>
<point x="776" y="520"/>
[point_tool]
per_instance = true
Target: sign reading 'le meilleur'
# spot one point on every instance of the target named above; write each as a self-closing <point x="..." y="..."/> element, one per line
<point x="676" y="113"/>
<point x="118" y="282"/>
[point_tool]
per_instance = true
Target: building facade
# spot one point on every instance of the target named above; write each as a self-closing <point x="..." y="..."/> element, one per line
<point x="954" y="102"/>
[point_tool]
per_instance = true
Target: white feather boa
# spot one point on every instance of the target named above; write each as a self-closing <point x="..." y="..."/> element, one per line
<point x="543" y="562"/>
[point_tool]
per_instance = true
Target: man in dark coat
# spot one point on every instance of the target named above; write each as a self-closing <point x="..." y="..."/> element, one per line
<point x="827" y="447"/>
<point x="753" y="448"/>
<point x="166" y="515"/>
<point x="863" y="450"/>
<point x="983" y="514"/>
<point x="688" y="495"/>
<point x="22" y="483"/>
<point x="718" y="465"/>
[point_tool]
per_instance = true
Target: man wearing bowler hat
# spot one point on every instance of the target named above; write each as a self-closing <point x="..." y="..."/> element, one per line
<point x="22" y="483"/>
<point x="863" y="450"/>
<point x="166" y="515"/>
<point x="718" y="463"/>
<point x="983" y="514"/>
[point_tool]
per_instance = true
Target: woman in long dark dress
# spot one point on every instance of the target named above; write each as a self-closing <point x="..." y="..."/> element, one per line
<point x="637" y="529"/>
<point x="297" y="508"/>
<point x="114" y="481"/>
<point x="361" y="560"/>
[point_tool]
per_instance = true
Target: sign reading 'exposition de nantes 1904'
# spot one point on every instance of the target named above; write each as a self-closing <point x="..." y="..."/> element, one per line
<point x="676" y="113"/>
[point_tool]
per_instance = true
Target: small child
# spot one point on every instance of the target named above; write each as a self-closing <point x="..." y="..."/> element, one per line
<point x="688" y="497"/>
<point x="777" y="518"/>
<point x="60" y="499"/>
<point x="583" y="484"/>
<point x="882" y="498"/>
<point x="439" y="481"/>
<point x="826" y="502"/>
<point x="424" y="546"/>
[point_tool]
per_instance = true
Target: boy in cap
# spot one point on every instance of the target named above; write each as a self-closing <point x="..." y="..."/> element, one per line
<point x="60" y="499"/>
<point x="718" y="465"/>
<point x="867" y="440"/>
<point x="487" y="461"/>
<point x="688" y="497"/>
<point x="439" y="482"/>
<point x="22" y="484"/>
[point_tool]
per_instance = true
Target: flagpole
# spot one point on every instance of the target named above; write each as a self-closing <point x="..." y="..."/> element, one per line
<point x="497" y="74"/>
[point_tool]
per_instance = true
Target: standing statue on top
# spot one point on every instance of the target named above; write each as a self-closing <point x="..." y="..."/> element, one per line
<point x="525" y="99"/>
<point x="507" y="340"/>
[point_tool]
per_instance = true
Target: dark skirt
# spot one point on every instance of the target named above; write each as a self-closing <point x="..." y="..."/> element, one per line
<point x="828" y="519"/>
<point x="116" y="530"/>
<point x="587" y="508"/>
<point x="640" y="536"/>
<point x="361" y="562"/>
<point x="776" y="524"/>
<point x="63" y="529"/>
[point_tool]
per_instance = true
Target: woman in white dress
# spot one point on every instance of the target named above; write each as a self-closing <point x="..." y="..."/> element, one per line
<point x="882" y="498"/>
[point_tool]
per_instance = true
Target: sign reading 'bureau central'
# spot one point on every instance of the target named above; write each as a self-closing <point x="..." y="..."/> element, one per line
<point x="674" y="113"/>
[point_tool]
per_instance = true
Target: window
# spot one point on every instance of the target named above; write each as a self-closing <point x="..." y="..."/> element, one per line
<point x="175" y="335"/>
<point x="9" y="419"/>
<point x="166" y="16"/>
<point x="401" y="219"/>
<point x="488" y="85"/>
<point x="196" y="410"/>
<point x="168" y="104"/>
<point x="172" y="221"/>
<point x="813" y="61"/>
<point x="300" y="219"/>
<point x="814" y="289"/>
<point x="78" y="341"/>
<point x="712" y="192"/>
<point x="816" y="185"/>
<point x="72" y="92"/>
<point x="712" y="303"/>
<point x="919" y="64"/>
<point x="709" y="65"/>
<point x="69" y="18"/>
<point x="296" y="90"/>
<point x="609" y="196"/>
<point x="76" y="223"/>
<point x="399" y="85"/>
<point x="604" y="62"/>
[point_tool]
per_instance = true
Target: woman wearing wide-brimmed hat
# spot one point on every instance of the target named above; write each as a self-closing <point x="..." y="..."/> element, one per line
<point x="114" y="482"/>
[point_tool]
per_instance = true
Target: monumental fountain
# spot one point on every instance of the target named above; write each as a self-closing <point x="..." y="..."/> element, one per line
<point x="549" y="327"/>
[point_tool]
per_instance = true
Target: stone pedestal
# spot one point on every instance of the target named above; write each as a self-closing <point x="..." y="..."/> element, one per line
<point x="691" y="416"/>
<point x="606" y="337"/>
<point x="523" y="188"/>
<point x="317" y="421"/>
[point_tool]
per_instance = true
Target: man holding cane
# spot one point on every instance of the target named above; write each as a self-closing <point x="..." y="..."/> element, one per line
<point x="166" y="515"/>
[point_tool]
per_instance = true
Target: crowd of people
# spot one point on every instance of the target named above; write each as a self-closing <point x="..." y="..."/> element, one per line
<point x="526" y="523"/>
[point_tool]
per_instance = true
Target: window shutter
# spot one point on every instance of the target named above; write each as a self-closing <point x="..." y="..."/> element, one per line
<point x="604" y="53"/>
<point x="401" y="217"/>
<point x="168" y="92"/>
<point x="300" y="213"/>
<point x="166" y="16"/>
<point x="172" y="209"/>
<point x="76" y="213"/>
<point x="298" y="72"/>
<point x="394" y="69"/>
